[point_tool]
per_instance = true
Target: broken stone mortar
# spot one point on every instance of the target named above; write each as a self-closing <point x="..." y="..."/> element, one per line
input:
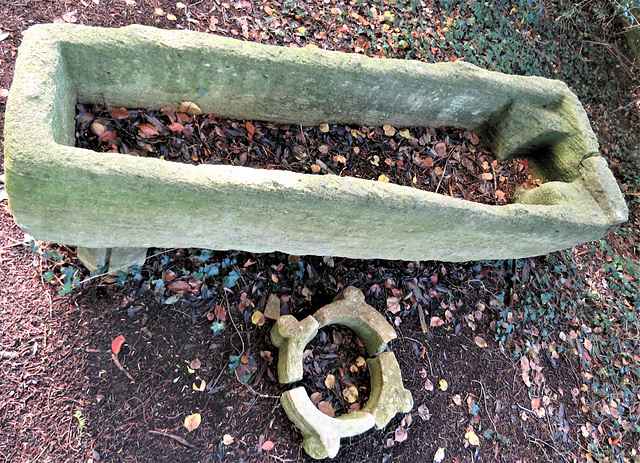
<point x="322" y="433"/>
<point x="94" y="200"/>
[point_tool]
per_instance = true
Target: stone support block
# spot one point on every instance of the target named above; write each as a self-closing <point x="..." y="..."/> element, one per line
<point x="116" y="259"/>
<point x="349" y="309"/>
<point x="93" y="258"/>
<point x="388" y="395"/>
<point x="322" y="433"/>
<point x="291" y="336"/>
<point x="113" y="200"/>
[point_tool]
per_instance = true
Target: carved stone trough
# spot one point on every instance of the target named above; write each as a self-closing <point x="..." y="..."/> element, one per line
<point x="74" y="196"/>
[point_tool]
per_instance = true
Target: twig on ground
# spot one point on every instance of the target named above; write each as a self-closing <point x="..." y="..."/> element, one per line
<point x="172" y="436"/>
<point x="486" y="408"/>
<point x="119" y="365"/>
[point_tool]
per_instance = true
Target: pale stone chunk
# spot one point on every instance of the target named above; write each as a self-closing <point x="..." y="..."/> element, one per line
<point x="322" y="433"/>
<point x="349" y="309"/>
<point x="291" y="336"/>
<point x="388" y="395"/>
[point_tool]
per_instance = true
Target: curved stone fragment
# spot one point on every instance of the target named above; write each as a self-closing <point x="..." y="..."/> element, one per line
<point x="349" y="309"/>
<point x="388" y="395"/>
<point x="322" y="433"/>
<point x="291" y="336"/>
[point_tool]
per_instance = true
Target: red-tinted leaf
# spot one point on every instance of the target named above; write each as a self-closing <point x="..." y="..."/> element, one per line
<point x="436" y="321"/>
<point x="441" y="149"/>
<point x="118" y="112"/>
<point x="147" y="129"/>
<point x="268" y="445"/>
<point x="116" y="344"/>
<point x="220" y="312"/>
<point x="180" y="287"/>
<point x="251" y="129"/>
<point x="176" y="127"/>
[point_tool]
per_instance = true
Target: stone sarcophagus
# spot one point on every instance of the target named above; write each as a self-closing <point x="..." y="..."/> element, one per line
<point x="108" y="200"/>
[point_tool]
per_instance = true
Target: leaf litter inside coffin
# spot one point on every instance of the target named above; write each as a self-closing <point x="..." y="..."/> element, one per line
<point x="442" y="160"/>
<point x="335" y="374"/>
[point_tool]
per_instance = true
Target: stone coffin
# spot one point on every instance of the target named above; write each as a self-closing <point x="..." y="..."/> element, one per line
<point x="78" y="197"/>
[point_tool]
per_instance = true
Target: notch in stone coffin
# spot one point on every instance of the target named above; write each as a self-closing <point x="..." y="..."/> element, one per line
<point x="112" y="200"/>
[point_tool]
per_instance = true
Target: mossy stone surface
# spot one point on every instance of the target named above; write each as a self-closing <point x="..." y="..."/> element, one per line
<point x="73" y="196"/>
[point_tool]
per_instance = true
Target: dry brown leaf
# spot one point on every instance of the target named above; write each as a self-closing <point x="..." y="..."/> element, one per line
<point x="272" y="310"/>
<point x="116" y="344"/>
<point x="189" y="108"/>
<point x="350" y="394"/>
<point x="401" y="434"/>
<point x="191" y="422"/>
<point x="436" y="321"/>
<point x="480" y="342"/>
<point x="195" y="364"/>
<point x="441" y="149"/>
<point x="180" y="287"/>
<point x="118" y="112"/>
<point x="176" y="127"/>
<point x="147" y="129"/>
<point x="393" y="305"/>
<point x="330" y="381"/>
<point x="326" y="408"/>
<point x="324" y="128"/>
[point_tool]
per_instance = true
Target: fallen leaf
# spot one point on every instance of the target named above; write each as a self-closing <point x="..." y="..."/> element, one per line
<point x="350" y="394"/>
<point x="3" y="36"/>
<point x="159" y="11"/>
<point x="118" y="112"/>
<point x="180" y="287"/>
<point x="439" y="456"/>
<point x="360" y="361"/>
<point x="389" y="131"/>
<point x="326" y="408"/>
<point x="250" y="128"/>
<point x="400" y="434"/>
<point x="116" y="344"/>
<point x="220" y="313"/>
<point x="316" y="397"/>
<point x="227" y="439"/>
<point x="191" y="422"/>
<point x="472" y="437"/>
<point x="257" y="318"/>
<point x="428" y="385"/>
<point x="480" y="342"/>
<point x="324" y="128"/>
<point x="535" y="403"/>
<point x="393" y="305"/>
<point x="189" y="108"/>
<point x="424" y="412"/>
<point x="383" y="178"/>
<point x="487" y="176"/>
<point x="315" y="168"/>
<point x="176" y="127"/>
<point x="171" y="17"/>
<point x="147" y="129"/>
<point x="441" y="149"/>
<point x="268" y="445"/>
<point x="195" y="364"/>
<point x="406" y="134"/>
<point x="443" y="385"/>
<point x="201" y="387"/>
<point x="324" y="149"/>
<point x="436" y="321"/>
<point x="4" y="92"/>
<point x="588" y="345"/>
<point x="330" y="382"/>
<point x="70" y="16"/>
<point x="457" y="399"/>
